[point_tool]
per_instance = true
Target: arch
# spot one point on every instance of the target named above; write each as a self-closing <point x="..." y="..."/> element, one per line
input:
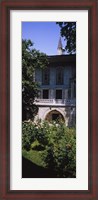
<point x="54" y="114"/>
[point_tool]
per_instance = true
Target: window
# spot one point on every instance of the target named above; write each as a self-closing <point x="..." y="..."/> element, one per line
<point x="45" y="76"/>
<point x="58" y="94"/>
<point x="59" y="76"/>
<point x="72" y="88"/>
<point x="45" y="94"/>
<point x="69" y="93"/>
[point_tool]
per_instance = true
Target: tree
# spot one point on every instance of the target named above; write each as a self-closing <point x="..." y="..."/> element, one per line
<point x="68" y="31"/>
<point x="31" y="59"/>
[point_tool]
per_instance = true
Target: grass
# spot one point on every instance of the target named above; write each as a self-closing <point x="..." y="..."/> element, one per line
<point x="34" y="156"/>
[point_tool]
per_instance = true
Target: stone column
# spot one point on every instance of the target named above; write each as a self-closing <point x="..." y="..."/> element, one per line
<point x="66" y="94"/>
<point x="52" y="94"/>
<point x="41" y="94"/>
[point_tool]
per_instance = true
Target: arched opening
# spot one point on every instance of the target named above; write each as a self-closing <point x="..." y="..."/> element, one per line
<point x="54" y="115"/>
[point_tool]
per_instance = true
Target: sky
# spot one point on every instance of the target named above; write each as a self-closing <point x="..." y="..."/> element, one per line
<point x="44" y="35"/>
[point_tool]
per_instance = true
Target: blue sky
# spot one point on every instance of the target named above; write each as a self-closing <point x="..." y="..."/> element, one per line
<point x="44" y="35"/>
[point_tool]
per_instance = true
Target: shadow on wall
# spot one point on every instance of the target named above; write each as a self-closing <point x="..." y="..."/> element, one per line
<point x="71" y="116"/>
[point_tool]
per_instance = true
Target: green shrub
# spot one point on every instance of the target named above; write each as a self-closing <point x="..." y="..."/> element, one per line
<point x="42" y="134"/>
<point x="59" y="143"/>
<point x="29" y="133"/>
<point x="61" y="151"/>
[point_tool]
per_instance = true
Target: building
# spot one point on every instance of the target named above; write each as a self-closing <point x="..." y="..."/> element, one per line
<point x="57" y="92"/>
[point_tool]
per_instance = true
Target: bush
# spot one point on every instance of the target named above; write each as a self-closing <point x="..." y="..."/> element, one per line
<point x="61" y="150"/>
<point x="59" y="143"/>
<point x="29" y="133"/>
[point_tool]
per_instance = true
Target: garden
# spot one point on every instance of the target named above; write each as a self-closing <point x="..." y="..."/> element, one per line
<point x="48" y="150"/>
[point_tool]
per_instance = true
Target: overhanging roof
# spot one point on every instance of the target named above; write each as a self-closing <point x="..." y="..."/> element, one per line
<point x="62" y="59"/>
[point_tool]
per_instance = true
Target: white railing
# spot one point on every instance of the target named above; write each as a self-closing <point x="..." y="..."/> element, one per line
<point x="55" y="101"/>
<point x="44" y="100"/>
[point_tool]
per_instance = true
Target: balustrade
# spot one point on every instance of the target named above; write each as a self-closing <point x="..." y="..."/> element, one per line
<point x="55" y="101"/>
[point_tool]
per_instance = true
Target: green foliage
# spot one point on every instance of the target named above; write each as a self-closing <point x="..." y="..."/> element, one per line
<point x="31" y="59"/>
<point x="61" y="150"/>
<point x="59" y="144"/>
<point x="68" y="31"/>
<point x="35" y="156"/>
<point x="29" y="133"/>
